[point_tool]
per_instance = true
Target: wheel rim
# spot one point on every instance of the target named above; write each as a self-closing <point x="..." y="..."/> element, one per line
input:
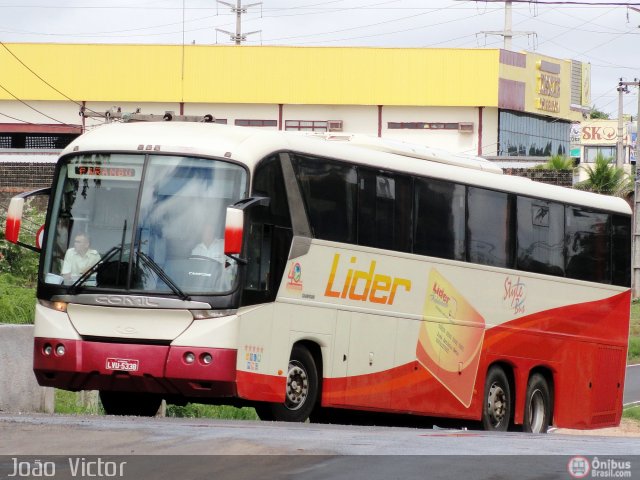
<point x="536" y="411"/>
<point x="496" y="404"/>
<point x="297" y="386"/>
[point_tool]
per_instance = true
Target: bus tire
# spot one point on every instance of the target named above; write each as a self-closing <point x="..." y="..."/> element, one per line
<point x="130" y="403"/>
<point x="496" y="409"/>
<point x="537" y="407"/>
<point x="302" y="391"/>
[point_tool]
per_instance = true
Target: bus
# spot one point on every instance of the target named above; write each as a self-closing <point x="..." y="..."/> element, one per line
<point x="310" y="274"/>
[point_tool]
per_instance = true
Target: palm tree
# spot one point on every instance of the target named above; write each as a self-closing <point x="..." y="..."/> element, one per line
<point x="604" y="177"/>
<point x="557" y="162"/>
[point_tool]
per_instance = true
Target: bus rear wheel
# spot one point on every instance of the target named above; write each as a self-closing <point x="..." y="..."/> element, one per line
<point x="496" y="410"/>
<point x="130" y="403"/>
<point x="302" y="390"/>
<point x="537" y="407"/>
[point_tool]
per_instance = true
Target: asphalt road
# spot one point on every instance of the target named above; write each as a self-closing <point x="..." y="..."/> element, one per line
<point x="105" y="435"/>
<point x="632" y="385"/>
<point x="164" y="448"/>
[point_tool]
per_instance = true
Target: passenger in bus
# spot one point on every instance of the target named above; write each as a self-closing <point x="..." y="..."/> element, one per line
<point x="80" y="258"/>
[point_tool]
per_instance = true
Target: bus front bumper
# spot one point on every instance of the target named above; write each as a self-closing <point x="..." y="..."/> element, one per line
<point x="191" y="372"/>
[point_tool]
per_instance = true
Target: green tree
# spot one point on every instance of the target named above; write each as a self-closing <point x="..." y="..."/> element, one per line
<point x="595" y="113"/>
<point x="604" y="177"/>
<point x="557" y="162"/>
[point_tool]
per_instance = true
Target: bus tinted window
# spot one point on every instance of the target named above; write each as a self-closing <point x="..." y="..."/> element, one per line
<point x="268" y="182"/>
<point x="588" y="245"/>
<point x="439" y="219"/>
<point x="540" y="236"/>
<point x="384" y="210"/>
<point x="488" y="227"/>
<point x="621" y="251"/>
<point x="329" y="191"/>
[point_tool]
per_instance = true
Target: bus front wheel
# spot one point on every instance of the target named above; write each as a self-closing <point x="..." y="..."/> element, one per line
<point x="301" y="391"/>
<point x="496" y="411"/>
<point x="537" y="409"/>
<point x="130" y="403"/>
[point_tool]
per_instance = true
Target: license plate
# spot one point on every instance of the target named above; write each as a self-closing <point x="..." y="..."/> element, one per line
<point x="123" y="364"/>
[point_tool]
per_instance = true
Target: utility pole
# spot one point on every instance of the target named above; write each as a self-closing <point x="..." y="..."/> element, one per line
<point x="507" y="33"/>
<point x="623" y="87"/>
<point x="635" y="259"/>
<point x="637" y="80"/>
<point x="239" y="10"/>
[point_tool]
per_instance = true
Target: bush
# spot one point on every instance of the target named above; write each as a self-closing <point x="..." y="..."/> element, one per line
<point x="17" y="302"/>
<point x="21" y="263"/>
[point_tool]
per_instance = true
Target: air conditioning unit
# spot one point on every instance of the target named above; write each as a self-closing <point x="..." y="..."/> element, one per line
<point x="334" y="125"/>
<point x="465" y="127"/>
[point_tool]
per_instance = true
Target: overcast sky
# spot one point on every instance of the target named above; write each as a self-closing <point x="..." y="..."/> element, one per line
<point x="608" y="37"/>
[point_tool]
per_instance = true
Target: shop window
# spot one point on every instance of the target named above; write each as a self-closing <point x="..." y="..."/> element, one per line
<point x="590" y="153"/>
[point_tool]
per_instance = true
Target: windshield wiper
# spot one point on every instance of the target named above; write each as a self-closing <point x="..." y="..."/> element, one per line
<point x="157" y="269"/>
<point x="94" y="269"/>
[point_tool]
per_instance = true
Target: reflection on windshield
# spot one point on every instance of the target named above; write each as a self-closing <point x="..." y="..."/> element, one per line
<point x="175" y="242"/>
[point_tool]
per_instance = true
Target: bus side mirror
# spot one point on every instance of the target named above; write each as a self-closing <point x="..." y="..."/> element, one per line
<point x="14" y="218"/>
<point x="233" y="229"/>
<point x="234" y="223"/>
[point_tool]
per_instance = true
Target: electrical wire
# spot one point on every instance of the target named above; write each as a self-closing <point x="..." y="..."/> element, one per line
<point x="44" y="81"/>
<point x="35" y="109"/>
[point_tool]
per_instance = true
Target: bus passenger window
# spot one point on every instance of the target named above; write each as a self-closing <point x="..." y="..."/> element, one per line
<point x="330" y="194"/>
<point x="489" y="227"/>
<point x="439" y="219"/>
<point x="588" y="245"/>
<point x="621" y="251"/>
<point x="540" y="236"/>
<point x="384" y="210"/>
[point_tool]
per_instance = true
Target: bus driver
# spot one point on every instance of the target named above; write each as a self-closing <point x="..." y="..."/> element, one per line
<point x="213" y="248"/>
<point x="79" y="258"/>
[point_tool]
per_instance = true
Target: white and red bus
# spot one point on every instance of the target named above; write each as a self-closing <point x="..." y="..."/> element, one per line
<point x="300" y="275"/>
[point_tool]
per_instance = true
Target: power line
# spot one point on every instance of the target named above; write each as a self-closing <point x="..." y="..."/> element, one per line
<point x="40" y="78"/>
<point x="35" y="109"/>
<point x="551" y="2"/>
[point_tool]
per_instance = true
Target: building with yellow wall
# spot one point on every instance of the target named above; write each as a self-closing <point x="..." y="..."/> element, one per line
<point x="495" y="103"/>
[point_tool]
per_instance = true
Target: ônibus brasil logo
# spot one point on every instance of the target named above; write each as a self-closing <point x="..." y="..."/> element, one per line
<point x="579" y="467"/>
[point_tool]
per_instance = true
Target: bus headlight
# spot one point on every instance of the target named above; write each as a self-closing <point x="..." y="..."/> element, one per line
<point x="59" y="306"/>
<point x="204" y="314"/>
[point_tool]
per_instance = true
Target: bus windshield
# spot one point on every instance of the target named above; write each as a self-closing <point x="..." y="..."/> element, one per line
<point x="145" y="223"/>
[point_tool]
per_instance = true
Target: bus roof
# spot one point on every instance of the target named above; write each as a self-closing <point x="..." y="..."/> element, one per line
<point x="249" y="145"/>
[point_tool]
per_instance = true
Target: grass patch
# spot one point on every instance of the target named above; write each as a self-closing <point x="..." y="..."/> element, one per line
<point x="17" y="302"/>
<point x="224" y="412"/>
<point x="76" y="403"/>
<point x="633" y="355"/>
<point x="632" y="413"/>
<point x="87" y="403"/>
